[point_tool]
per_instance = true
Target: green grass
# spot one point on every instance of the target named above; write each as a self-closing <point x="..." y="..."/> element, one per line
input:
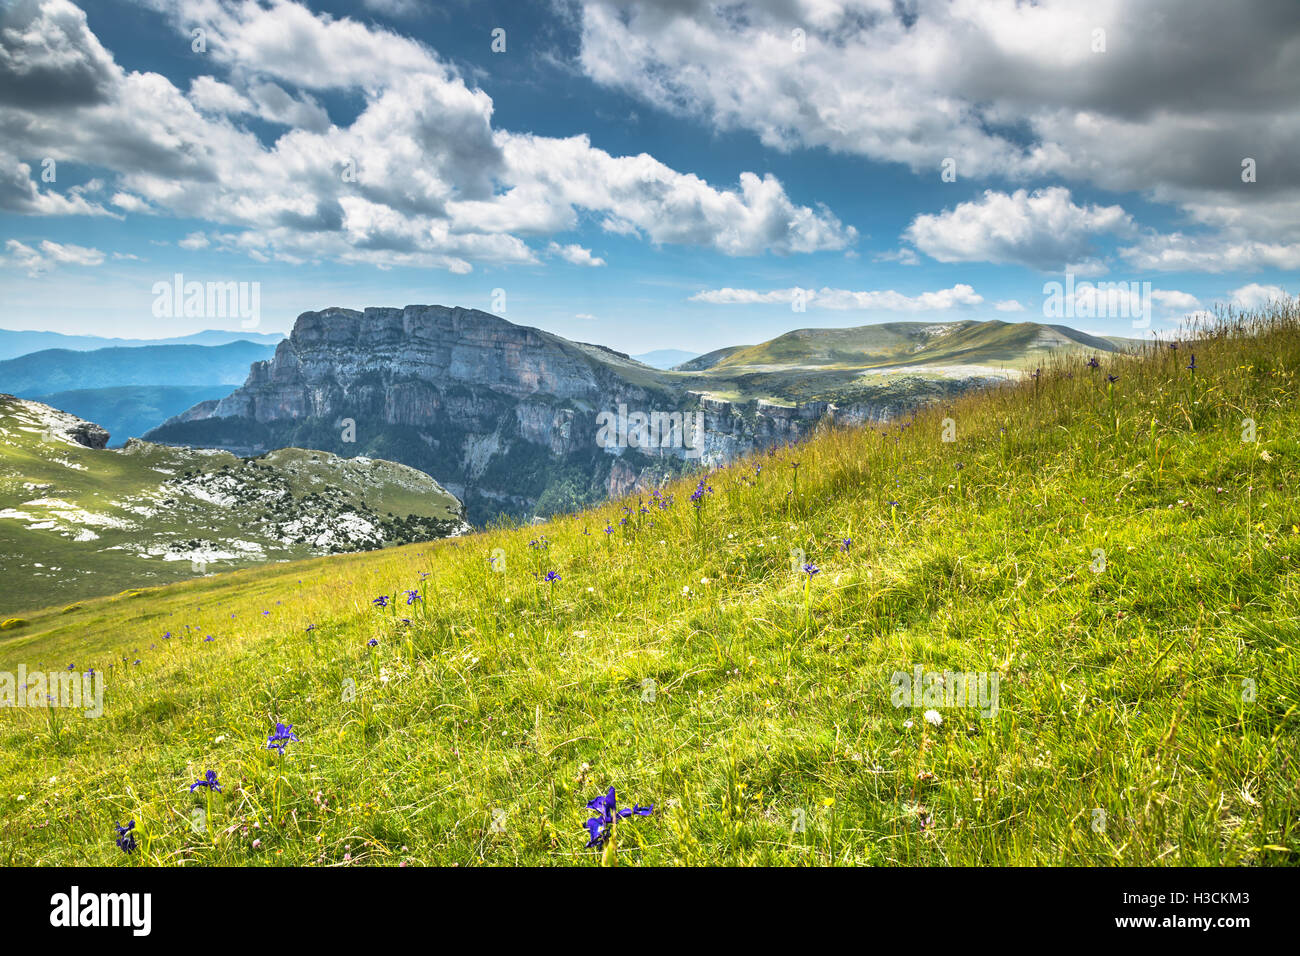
<point x="78" y="522"/>
<point x="1125" y="690"/>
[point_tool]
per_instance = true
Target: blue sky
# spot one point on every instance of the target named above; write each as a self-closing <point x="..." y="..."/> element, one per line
<point x="784" y="145"/>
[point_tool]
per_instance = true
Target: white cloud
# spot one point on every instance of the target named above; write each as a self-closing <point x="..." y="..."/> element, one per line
<point x="1042" y="230"/>
<point x="844" y="299"/>
<point x="418" y="178"/>
<point x="1008" y="305"/>
<point x="195" y="240"/>
<point x="1225" y="252"/>
<point x="575" y="254"/>
<point x="48" y="256"/>
<point x="1254" y="295"/>
<point x="1002" y="87"/>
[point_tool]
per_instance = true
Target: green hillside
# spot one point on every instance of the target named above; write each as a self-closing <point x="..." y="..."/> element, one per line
<point x="1118" y="546"/>
<point x="77" y="521"/>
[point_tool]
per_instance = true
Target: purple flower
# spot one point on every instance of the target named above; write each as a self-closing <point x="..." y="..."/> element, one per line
<point x="412" y="596"/>
<point x="1192" y="365"/>
<point x="552" y="577"/>
<point x="283" y="735"/>
<point x="209" y="780"/>
<point x="381" y="601"/>
<point x="125" y="840"/>
<point x="811" y="569"/>
<point x="600" y="827"/>
<point x="373" y="642"/>
<point x="846" y="543"/>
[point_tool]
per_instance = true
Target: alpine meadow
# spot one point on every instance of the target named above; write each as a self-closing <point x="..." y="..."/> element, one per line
<point x="851" y="444"/>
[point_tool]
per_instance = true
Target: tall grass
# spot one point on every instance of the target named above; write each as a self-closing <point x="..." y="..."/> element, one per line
<point x="1114" y="552"/>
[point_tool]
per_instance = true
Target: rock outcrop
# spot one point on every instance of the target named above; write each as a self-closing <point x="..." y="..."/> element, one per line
<point x="507" y="417"/>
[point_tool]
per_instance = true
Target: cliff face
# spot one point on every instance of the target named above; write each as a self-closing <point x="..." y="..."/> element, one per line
<point x="505" y="416"/>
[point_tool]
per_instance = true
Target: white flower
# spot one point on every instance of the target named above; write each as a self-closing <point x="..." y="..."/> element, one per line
<point x="933" y="717"/>
<point x="685" y="590"/>
<point x="907" y="724"/>
<point x="704" y="580"/>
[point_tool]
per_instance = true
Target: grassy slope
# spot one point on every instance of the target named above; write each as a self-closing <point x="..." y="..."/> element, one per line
<point x="1122" y="690"/>
<point x="41" y="565"/>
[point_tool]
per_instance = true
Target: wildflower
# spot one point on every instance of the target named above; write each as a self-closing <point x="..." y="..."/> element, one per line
<point x="609" y="529"/>
<point x="933" y="717"/>
<point x="1093" y="363"/>
<point x="600" y="827"/>
<point x="845" y="544"/>
<point x="283" y="735"/>
<point x="381" y="601"/>
<point x="373" y="642"/>
<point x="209" y="780"/>
<point x="552" y="577"/>
<point x="1192" y="365"/>
<point x="811" y="569"/>
<point x="412" y="596"/>
<point x="1112" y="379"/>
<point x="125" y="839"/>
<point x="209" y="638"/>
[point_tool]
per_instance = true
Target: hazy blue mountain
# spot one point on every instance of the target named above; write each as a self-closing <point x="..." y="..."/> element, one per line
<point x="59" y="370"/>
<point x="131" y="410"/>
<point x="14" y="343"/>
<point x="665" y="358"/>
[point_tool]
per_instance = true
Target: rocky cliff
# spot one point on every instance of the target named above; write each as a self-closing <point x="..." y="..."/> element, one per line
<point x="507" y="417"/>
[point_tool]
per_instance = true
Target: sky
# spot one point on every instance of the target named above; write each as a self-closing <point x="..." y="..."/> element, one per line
<point x="671" y="174"/>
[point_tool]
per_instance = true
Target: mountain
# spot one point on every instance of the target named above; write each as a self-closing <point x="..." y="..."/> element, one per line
<point x="1095" y="587"/>
<point x="917" y="345"/>
<point x="509" y="418"/>
<point x="57" y="370"/>
<point x="131" y="410"/>
<point x="77" y="519"/>
<point x="14" y="343"/>
<point x="665" y="358"/>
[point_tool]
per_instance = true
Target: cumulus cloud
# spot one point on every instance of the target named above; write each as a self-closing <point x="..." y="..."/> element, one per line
<point x="419" y="177"/>
<point x="49" y="255"/>
<point x="575" y="254"/>
<point x="1230" y="252"/>
<point x="1043" y="230"/>
<point x="1001" y="87"/>
<point x="1254" y="295"/>
<point x="845" y="299"/>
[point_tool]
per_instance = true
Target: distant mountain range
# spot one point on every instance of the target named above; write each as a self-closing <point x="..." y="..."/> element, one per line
<point x="14" y="343"/>
<point x="129" y="390"/>
<point x="131" y="410"/>
<point x="77" y="519"/>
<point x="509" y="417"/>
<point x="57" y="370"/>
<point x="665" y="358"/>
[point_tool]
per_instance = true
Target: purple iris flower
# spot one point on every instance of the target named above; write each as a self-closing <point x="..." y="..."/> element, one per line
<point x="552" y="577"/>
<point x="283" y="735"/>
<point x="125" y="840"/>
<point x="209" y="780"/>
<point x="811" y="569"/>
<point x="373" y="642"/>
<point x="412" y="596"/>
<point x="606" y="805"/>
<point x="381" y="601"/>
